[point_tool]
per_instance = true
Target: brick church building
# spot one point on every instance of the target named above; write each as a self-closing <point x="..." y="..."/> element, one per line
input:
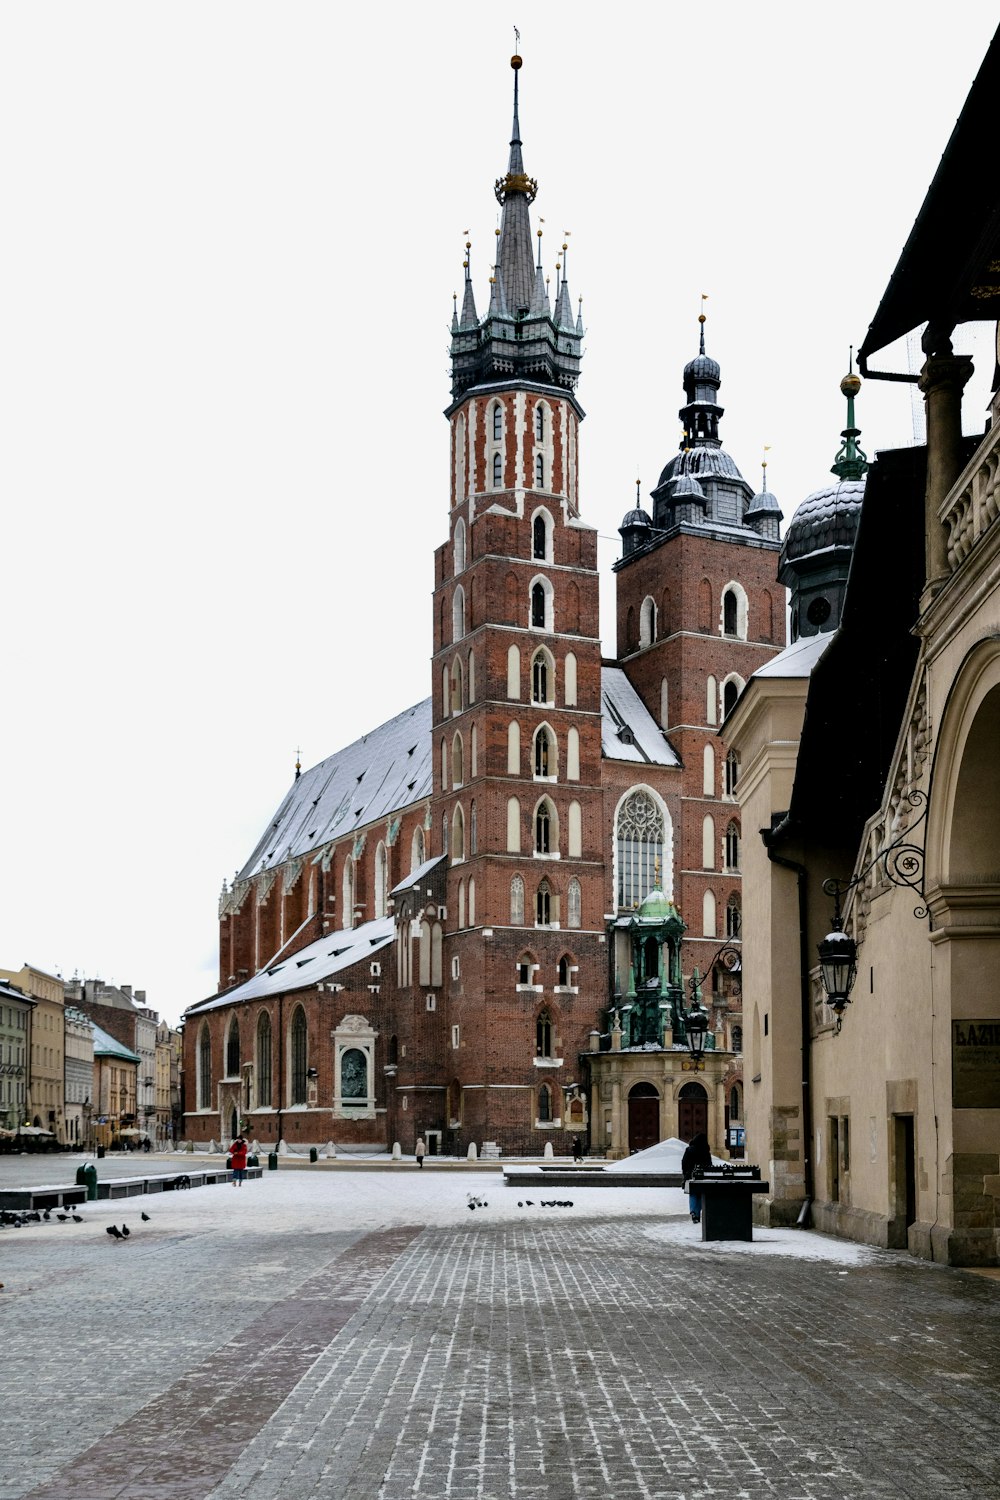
<point x="486" y="920"/>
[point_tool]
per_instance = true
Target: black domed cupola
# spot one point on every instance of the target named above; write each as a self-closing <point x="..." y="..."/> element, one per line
<point x="816" y="553"/>
<point x="701" y="484"/>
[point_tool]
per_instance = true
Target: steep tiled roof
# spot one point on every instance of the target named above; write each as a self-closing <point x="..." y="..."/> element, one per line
<point x="383" y="771"/>
<point x="330" y="955"/>
<point x="628" y="730"/>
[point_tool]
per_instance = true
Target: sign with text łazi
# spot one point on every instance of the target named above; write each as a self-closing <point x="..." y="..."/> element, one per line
<point x="975" y="1064"/>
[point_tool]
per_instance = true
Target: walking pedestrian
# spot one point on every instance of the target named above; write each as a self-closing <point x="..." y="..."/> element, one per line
<point x="238" y="1156"/>
<point x="420" y="1151"/>
<point x="577" y="1149"/>
<point x="697" y="1154"/>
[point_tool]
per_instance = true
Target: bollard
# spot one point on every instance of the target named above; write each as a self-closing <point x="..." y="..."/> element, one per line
<point x="100" y="1153"/>
<point x="272" y="1161"/>
<point x="313" y="1154"/>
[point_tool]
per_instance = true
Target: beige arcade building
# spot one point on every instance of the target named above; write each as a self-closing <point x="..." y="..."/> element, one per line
<point x="869" y="751"/>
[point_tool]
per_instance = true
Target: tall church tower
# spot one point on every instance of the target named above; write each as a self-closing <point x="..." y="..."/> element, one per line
<point x="517" y="705"/>
<point x="699" y="609"/>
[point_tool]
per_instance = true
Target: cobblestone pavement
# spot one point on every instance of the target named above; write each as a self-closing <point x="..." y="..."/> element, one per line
<point x="363" y="1337"/>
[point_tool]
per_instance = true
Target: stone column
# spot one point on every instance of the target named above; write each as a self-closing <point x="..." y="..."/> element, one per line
<point x="942" y="381"/>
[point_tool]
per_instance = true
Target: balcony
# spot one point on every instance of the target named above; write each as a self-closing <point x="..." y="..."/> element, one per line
<point x="971" y="506"/>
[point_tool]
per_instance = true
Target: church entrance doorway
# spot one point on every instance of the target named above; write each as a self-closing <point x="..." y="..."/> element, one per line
<point x="692" y="1112"/>
<point x="643" y="1117"/>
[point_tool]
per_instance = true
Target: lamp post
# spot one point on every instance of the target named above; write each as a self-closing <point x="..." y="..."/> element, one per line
<point x="838" y="956"/>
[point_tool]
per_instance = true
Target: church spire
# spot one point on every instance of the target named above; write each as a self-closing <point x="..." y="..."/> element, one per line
<point x="516" y="192"/>
<point x="523" y="336"/>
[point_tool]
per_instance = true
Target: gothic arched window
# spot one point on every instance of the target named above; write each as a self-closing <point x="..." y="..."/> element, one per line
<point x="262" y="1071"/>
<point x="574" y="904"/>
<point x="538" y="538"/>
<point x="546" y="835"/>
<point x="497" y="421"/>
<point x="539" y="423"/>
<point x="538" y="607"/>
<point x="729" y="612"/>
<point x="733" y="917"/>
<point x="639" y="834"/>
<point x="544" y="1105"/>
<point x="543" y="1034"/>
<point x="233" y="1050"/>
<point x="297" y="1057"/>
<point x="539" y="469"/>
<point x="347" y="917"/>
<point x="205" y="1069"/>
<point x="545" y="752"/>
<point x="732" y="846"/>
<point x="497" y="471"/>
<point x="541" y="676"/>
<point x="517" y="902"/>
<point x="543" y="905"/>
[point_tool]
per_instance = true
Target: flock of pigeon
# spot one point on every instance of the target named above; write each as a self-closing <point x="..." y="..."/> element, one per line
<point x="525" y="1203"/>
<point x="17" y="1218"/>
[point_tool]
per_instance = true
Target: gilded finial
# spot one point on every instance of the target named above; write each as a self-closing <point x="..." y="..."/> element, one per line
<point x="701" y="320"/>
<point x="851" y="461"/>
<point x="298" y="763"/>
<point x="763" y="468"/>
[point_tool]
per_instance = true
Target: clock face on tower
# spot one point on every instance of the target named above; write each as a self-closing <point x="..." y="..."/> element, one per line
<point x="819" y="611"/>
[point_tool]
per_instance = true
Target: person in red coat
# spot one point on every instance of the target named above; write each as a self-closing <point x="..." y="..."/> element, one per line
<point x="238" y="1160"/>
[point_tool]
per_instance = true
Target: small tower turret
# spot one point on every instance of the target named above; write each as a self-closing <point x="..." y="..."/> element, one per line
<point x="816" y="554"/>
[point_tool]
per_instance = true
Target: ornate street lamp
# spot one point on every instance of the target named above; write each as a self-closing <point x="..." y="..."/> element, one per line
<point x="838" y="956"/>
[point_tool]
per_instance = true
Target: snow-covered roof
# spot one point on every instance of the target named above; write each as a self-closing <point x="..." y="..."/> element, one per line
<point x="798" y="659"/>
<point x="383" y="771"/>
<point x="628" y="730"/>
<point x="106" y="1045"/>
<point x="417" y="875"/>
<point x="323" y="959"/>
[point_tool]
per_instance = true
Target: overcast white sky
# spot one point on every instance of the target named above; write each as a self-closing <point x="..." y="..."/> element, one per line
<point x="231" y="235"/>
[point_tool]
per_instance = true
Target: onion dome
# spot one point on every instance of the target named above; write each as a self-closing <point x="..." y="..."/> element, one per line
<point x="636" y="528"/>
<point x="826" y="518"/>
<point x="703" y="367"/>
<point x="764" y="513"/>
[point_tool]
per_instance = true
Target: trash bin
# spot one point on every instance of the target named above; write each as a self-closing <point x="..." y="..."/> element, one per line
<point x="100" y="1153"/>
<point x="87" y="1177"/>
<point x="313" y="1154"/>
<point x="272" y="1161"/>
<point x="81" y="1181"/>
<point x="252" y="1161"/>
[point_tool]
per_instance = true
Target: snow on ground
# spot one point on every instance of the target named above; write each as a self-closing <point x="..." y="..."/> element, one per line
<point x="302" y="1202"/>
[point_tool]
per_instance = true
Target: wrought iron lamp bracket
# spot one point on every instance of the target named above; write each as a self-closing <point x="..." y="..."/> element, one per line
<point x="903" y="862"/>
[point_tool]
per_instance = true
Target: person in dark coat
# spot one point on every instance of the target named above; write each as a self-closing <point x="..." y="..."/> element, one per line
<point x="577" y="1149"/>
<point x="697" y="1154"/>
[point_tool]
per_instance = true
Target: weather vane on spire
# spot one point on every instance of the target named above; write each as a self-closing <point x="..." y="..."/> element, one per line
<point x="763" y="466"/>
<point x="701" y="320"/>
